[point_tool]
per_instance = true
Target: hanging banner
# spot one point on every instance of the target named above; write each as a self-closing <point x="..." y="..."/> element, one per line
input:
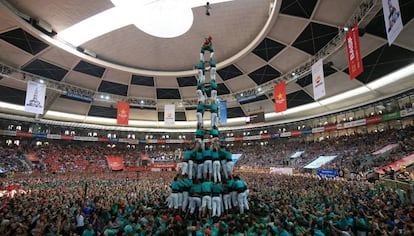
<point x="169" y="114"/>
<point x="280" y="97"/>
<point x="318" y="80"/>
<point x="35" y="97"/>
<point x="353" y="50"/>
<point x="392" y="18"/>
<point x="122" y="116"/>
<point x="222" y="107"/>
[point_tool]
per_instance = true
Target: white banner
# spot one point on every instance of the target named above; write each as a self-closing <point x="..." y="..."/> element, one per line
<point x="280" y="170"/>
<point x="392" y="18"/>
<point x="318" y="80"/>
<point x="169" y="114"/>
<point x="35" y="97"/>
<point x="320" y="161"/>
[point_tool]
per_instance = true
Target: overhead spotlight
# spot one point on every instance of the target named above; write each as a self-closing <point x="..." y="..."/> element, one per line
<point x="142" y="101"/>
<point x="346" y="29"/>
<point x="107" y="97"/>
<point x="259" y="89"/>
<point x="293" y="74"/>
<point x="207" y="6"/>
<point x="41" y="81"/>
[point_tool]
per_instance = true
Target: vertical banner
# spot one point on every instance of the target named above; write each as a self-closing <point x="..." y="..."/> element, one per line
<point x="280" y="97"/>
<point x="169" y="114"/>
<point x="122" y="116"/>
<point x="353" y="50"/>
<point x="35" y="97"/>
<point x="392" y="18"/>
<point x="318" y="80"/>
<point x="222" y="111"/>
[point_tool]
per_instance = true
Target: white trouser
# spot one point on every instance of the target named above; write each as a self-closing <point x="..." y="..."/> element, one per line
<point x="200" y="96"/>
<point x="199" y="171"/>
<point x="199" y="118"/>
<point x="216" y="204"/>
<point x="173" y="202"/>
<point x="227" y="201"/>
<point x="214" y="95"/>
<point x="243" y="203"/>
<point x="190" y="169"/>
<point x="201" y="56"/>
<point x="185" y="201"/>
<point x="230" y="165"/>
<point x="206" y="202"/>
<point x="195" y="202"/>
<point x="216" y="171"/>
<point x="180" y="200"/>
<point x="233" y="195"/>
<point x="211" y="55"/>
<point x="184" y="168"/>
<point x="213" y="73"/>
<point x="201" y="76"/>
<point x="208" y="167"/>
<point x="224" y="168"/>
<point x="214" y="120"/>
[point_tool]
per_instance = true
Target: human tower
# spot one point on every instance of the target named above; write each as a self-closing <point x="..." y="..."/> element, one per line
<point x="206" y="186"/>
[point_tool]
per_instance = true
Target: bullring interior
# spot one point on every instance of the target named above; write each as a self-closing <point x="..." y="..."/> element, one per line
<point x="257" y="43"/>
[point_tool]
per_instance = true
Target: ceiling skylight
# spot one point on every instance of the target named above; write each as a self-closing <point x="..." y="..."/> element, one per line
<point x="159" y="18"/>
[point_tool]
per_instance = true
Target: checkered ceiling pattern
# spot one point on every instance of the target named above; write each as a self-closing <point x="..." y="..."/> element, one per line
<point x="301" y="28"/>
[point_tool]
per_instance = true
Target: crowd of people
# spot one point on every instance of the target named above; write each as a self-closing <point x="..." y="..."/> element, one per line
<point x="129" y="204"/>
<point x="199" y="200"/>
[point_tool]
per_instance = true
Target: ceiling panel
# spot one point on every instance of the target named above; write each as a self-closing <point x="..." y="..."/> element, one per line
<point x="90" y="69"/>
<point x="70" y="106"/>
<point x="142" y="80"/>
<point x="142" y="91"/>
<point x="300" y="8"/>
<point x="60" y="57"/>
<point x="117" y="76"/>
<point x="24" y="40"/>
<point x="268" y="48"/>
<point x="264" y="74"/>
<point x="45" y="69"/>
<point x="289" y="59"/>
<point x="82" y="80"/>
<point x="250" y="62"/>
<point x="314" y="37"/>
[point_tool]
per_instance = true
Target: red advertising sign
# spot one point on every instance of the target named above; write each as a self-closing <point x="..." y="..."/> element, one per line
<point x="115" y="163"/>
<point x="354" y="52"/>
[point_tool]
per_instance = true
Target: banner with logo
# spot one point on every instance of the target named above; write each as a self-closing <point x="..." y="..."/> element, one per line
<point x="35" y="97"/>
<point x="115" y="163"/>
<point x="122" y="116"/>
<point x="353" y="50"/>
<point x="280" y="97"/>
<point x="169" y="114"/>
<point x="392" y="18"/>
<point x="318" y="80"/>
<point x="327" y="173"/>
<point x="222" y="107"/>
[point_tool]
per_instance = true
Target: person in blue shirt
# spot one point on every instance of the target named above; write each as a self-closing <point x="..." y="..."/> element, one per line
<point x="195" y="197"/>
<point x="199" y="158"/>
<point x="185" y="170"/>
<point x="200" y="93"/>
<point x="206" y="189"/>
<point x="208" y="163"/>
<point x="216" y="190"/>
<point x="212" y="70"/>
<point x="201" y="72"/>
<point x="200" y="113"/>
<point x="176" y="188"/>
<point x="241" y="189"/>
<point x="216" y="162"/>
<point x="186" y="189"/>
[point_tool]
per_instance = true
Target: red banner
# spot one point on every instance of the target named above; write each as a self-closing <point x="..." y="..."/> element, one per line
<point x="373" y="120"/>
<point x="280" y="97"/>
<point x="330" y="128"/>
<point x="406" y="161"/>
<point x="115" y="163"/>
<point x="122" y="116"/>
<point x="171" y="165"/>
<point x="32" y="157"/>
<point x="354" y="52"/>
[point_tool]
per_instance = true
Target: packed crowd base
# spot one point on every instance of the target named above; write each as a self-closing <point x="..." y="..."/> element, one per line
<point x="131" y="204"/>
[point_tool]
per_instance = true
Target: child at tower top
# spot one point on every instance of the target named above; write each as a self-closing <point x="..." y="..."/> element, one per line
<point x="207" y="45"/>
